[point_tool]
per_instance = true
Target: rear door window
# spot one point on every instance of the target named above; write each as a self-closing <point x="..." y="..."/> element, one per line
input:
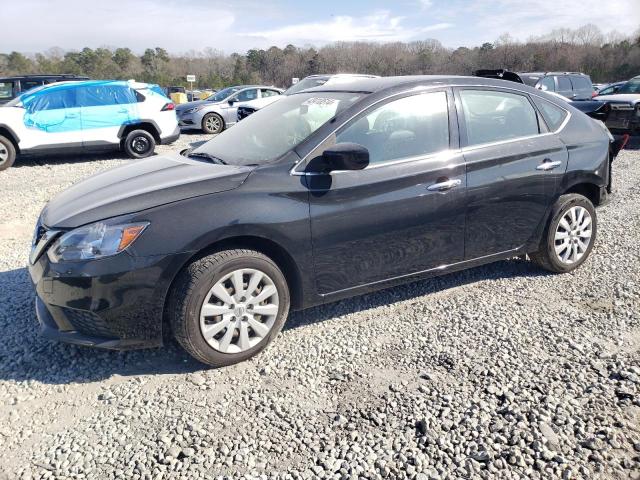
<point x="247" y="95"/>
<point x="265" y="92"/>
<point x="493" y="116"/>
<point x="26" y="85"/>
<point x="105" y="95"/>
<point x="564" y="84"/>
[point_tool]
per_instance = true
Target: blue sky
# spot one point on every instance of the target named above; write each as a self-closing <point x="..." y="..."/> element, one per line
<point x="239" y="25"/>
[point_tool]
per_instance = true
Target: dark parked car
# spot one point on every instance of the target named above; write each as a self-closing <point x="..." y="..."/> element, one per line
<point x="609" y="89"/>
<point x="625" y="107"/>
<point x="576" y="88"/>
<point x="326" y="194"/>
<point x="11" y="87"/>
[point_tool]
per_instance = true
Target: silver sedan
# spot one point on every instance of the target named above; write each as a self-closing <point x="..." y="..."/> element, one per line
<point x="219" y="111"/>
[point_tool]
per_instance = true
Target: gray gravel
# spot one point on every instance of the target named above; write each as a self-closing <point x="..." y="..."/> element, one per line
<point x="500" y="372"/>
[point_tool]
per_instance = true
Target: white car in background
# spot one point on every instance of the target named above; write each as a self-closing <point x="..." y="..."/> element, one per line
<point x="76" y="116"/>
<point x="308" y="82"/>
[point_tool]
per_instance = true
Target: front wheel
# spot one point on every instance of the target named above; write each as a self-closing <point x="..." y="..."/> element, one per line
<point x="569" y="236"/>
<point x="139" y="144"/>
<point x="7" y="153"/>
<point x="227" y="307"/>
<point x="212" y="123"/>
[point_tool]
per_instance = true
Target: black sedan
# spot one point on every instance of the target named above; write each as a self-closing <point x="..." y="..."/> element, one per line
<point x="326" y="194"/>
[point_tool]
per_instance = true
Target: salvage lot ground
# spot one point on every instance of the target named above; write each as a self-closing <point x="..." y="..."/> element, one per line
<point x="499" y="372"/>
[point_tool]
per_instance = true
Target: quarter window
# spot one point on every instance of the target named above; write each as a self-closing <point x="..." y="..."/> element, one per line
<point x="411" y="126"/>
<point x="553" y="115"/>
<point x="495" y="116"/>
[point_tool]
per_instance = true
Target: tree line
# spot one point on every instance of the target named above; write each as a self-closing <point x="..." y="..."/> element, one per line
<point x="605" y="57"/>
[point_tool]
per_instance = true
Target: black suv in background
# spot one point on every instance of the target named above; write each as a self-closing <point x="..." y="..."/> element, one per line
<point x="11" y="87"/>
<point x="576" y="88"/>
<point x="571" y="85"/>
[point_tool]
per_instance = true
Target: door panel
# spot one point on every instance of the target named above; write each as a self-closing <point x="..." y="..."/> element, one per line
<point x="105" y="108"/>
<point x="389" y="220"/>
<point x="513" y="168"/>
<point x="380" y="223"/>
<point x="52" y="120"/>
<point x="507" y="195"/>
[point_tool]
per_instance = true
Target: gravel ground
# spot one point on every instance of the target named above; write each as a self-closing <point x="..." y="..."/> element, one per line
<point x="501" y="372"/>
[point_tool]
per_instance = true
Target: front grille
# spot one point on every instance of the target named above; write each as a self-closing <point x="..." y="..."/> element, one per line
<point x="88" y="323"/>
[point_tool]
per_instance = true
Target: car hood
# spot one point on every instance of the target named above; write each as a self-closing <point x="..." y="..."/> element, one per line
<point x="186" y="106"/>
<point x="137" y="186"/>
<point x="632" y="98"/>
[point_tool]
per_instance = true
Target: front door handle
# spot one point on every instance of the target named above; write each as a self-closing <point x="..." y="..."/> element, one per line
<point x="443" y="186"/>
<point x="547" y="164"/>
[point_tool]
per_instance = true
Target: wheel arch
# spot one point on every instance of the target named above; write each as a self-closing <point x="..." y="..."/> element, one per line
<point x="146" y="125"/>
<point x="7" y="132"/>
<point x="586" y="189"/>
<point x="276" y="252"/>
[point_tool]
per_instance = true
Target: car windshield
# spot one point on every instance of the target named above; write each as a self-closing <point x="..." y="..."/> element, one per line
<point x="274" y="130"/>
<point x="222" y="94"/>
<point x="305" y="83"/>
<point x="632" y="86"/>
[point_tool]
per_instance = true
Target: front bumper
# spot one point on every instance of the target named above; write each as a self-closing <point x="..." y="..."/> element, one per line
<point x="114" y="303"/>
<point x="190" y="120"/>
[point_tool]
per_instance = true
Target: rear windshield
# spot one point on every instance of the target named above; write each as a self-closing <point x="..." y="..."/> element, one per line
<point x="6" y="90"/>
<point x="305" y="83"/>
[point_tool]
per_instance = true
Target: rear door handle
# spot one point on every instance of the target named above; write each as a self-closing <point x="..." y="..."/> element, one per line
<point x="443" y="186"/>
<point x="547" y="164"/>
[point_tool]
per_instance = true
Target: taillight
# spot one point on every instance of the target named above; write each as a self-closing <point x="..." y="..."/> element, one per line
<point x="168" y="106"/>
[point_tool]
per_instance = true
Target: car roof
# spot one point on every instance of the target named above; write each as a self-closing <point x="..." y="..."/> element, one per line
<point x="75" y="84"/>
<point x="372" y="85"/>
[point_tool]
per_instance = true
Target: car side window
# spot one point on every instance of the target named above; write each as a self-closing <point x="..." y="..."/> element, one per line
<point x="492" y="116"/>
<point x="105" y="95"/>
<point x="548" y="84"/>
<point x="268" y="93"/>
<point x="247" y="95"/>
<point x="51" y="100"/>
<point x="564" y="84"/>
<point x="553" y="115"/>
<point x="408" y="127"/>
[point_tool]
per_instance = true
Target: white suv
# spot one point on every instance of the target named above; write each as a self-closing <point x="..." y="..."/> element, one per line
<point x="88" y="115"/>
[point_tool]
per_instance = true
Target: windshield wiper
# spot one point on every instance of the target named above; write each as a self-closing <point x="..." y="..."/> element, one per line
<point x="208" y="156"/>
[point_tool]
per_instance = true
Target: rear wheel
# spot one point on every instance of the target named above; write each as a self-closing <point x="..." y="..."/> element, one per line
<point x="139" y="144"/>
<point x="569" y="236"/>
<point x="212" y="123"/>
<point x="227" y="307"/>
<point x="7" y="153"/>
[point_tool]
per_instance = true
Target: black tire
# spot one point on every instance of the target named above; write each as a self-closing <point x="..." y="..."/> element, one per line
<point x="212" y="123"/>
<point x="7" y="153"/>
<point x="546" y="256"/>
<point x="193" y="285"/>
<point x="139" y="144"/>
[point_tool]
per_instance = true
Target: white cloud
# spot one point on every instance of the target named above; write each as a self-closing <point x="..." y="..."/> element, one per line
<point x="381" y="26"/>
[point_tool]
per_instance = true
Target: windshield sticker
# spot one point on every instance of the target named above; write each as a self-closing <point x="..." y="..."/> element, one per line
<point x="321" y="102"/>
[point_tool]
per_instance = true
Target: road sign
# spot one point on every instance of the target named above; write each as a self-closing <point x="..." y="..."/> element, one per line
<point x="294" y="80"/>
<point x="191" y="78"/>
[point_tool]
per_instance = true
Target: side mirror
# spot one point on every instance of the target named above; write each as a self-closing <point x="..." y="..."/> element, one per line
<point x="232" y="101"/>
<point x="343" y="156"/>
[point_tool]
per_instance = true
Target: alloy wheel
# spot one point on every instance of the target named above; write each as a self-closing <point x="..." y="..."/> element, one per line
<point x="573" y="235"/>
<point x="239" y="311"/>
<point x="213" y="124"/>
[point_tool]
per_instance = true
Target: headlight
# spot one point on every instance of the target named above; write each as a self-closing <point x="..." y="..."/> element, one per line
<point x="94" y="241"/>
<point x="194" y="109"/>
